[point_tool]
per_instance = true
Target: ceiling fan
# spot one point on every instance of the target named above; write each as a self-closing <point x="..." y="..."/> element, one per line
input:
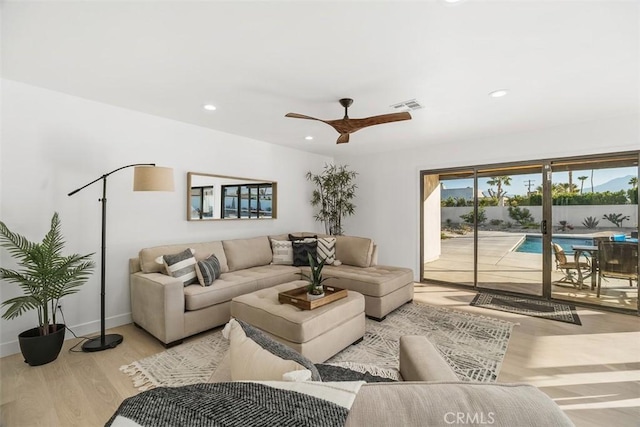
<point x="346" y="126"/>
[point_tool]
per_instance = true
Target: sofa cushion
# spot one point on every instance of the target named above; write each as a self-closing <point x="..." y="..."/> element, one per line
<point x="375" y="281"/>
<point x="354" y="251"/>
<point x="302" y="249"/>
<point x="208" y="270"/>
<point x="203" y="250"/>
<point x="182" y="266"/>
<point x="256" y="356"/>
<point x="327" y="249"/>
<point x="282" y="252"/>
<point x="236" y="283"/>
<point x="245" y="253"/>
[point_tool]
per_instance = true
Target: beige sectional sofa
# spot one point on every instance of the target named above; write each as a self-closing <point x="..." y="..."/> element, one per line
<point x="161" y="305"/>
<point x="432" y="395"/>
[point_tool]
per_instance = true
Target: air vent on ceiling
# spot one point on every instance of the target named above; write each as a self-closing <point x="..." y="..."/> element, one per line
<point x="409" y="105"/>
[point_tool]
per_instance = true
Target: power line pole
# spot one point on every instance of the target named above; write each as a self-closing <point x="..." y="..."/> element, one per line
<point x="529" y="183"/>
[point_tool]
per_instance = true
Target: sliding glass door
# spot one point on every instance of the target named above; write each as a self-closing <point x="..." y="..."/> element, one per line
<point x="595" y="200"/>
<point x="510" y="241"/>
<point x="533" y="228"/>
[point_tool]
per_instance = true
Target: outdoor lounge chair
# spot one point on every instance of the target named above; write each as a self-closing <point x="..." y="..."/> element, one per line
<point x="573" y="270"/>
<point x="618" y="260"/>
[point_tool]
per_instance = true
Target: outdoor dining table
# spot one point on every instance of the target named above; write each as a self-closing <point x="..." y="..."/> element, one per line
<point x="593" y="253"/>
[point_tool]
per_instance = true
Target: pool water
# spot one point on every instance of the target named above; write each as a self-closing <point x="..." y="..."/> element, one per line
<point x="533" y="244"/>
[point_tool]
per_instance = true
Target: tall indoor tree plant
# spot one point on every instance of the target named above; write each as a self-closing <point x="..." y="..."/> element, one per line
<point x="44" y="276"/>
<point x="333" y="194"/>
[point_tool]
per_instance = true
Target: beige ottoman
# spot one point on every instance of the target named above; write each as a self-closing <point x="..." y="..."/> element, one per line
<point x="317" y="334"/>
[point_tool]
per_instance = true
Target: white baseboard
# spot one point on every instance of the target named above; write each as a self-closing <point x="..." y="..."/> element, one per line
<point x="89" y="329"/>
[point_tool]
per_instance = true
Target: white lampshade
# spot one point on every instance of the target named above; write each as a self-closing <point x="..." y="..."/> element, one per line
<point x="152" y="178"/>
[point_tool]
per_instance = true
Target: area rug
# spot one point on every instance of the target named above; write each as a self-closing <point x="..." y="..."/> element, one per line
<point x="474" y="346"/>
<point x="528" y="307"/>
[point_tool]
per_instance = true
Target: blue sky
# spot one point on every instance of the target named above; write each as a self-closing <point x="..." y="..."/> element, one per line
<point x="518" y="182"/>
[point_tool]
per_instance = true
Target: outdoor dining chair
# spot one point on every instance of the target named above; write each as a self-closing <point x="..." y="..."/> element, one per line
<point x="573" y="270"/>
<point x="618" y="260"/>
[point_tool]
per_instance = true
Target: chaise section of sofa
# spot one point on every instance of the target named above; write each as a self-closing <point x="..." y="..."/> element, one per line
<point x="161" y="305"/>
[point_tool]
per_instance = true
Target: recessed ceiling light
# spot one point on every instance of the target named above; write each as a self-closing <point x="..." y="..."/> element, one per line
<point x="209" y="107"/>
<point x="498" y="93"/>
<point x="308" y="138"/>
<point x="453" y="1"/>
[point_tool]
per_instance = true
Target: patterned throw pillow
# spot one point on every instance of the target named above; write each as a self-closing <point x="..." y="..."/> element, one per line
<point x="182" y="266"/>
<point x="255" y="356"/>
<point x="208" y="270"/>
<point x="327" y="249"/>
<point x="293" y="237"/>
<point x="301" y="249"/>
<point x="282" y="252"/>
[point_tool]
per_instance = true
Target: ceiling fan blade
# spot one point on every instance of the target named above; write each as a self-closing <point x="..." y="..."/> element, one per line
<point x="357" y="124"/>
<point x="343" y="138"/>
<point x="301" y="116"/>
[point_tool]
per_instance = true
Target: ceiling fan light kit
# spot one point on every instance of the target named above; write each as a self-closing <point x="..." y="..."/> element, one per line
<point x="347" y="126"/>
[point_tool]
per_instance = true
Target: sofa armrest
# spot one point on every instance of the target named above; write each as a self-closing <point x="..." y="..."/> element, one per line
<point x="157" y="305"/>
<point x="420" y="361"/>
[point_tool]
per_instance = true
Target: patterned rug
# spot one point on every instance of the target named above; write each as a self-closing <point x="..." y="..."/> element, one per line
<point x="474" y="346"/>
<point x="528" y="307"/>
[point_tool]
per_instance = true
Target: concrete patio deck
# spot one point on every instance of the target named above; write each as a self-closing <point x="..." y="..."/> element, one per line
<point x="500" y="267"/>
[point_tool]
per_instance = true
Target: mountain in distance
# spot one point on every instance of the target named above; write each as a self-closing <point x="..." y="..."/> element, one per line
<point x="614" y="185"/>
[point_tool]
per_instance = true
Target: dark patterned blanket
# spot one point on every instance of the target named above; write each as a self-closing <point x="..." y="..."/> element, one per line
<point x="227" y="404"/>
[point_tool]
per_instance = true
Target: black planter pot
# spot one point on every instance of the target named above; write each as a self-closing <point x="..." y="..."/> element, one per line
<point x="40" y="349"/>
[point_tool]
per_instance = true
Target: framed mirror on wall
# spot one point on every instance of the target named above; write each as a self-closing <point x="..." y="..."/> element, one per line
<point x="218" y="197"/>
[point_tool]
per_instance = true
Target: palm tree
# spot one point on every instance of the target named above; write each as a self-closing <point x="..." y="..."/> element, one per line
<point x="499" y="181"/>
<point x="633" y="182"/>
<point x="592" y="180"/>
<point x="582" y="179"/>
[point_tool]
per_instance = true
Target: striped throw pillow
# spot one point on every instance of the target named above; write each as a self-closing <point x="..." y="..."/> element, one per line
<point x="282" y="252"/>
<point x="208" y="270"/>
<point x="182" y="266"/>
<point x="327" y="249"/>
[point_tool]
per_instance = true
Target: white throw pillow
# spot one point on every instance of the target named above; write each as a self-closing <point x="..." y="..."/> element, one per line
<point x="255" y="356"/>
<point x="282" y="252"/>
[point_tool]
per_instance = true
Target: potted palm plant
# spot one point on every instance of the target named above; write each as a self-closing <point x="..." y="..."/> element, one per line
<point x="45" y="276"/>
<point x="315" y="289"/>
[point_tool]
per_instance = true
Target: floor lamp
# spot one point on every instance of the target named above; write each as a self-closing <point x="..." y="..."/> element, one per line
<point x="146" y="177"/>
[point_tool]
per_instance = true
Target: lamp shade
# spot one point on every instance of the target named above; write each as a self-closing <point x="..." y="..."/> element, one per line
<point x="152" y="178"/>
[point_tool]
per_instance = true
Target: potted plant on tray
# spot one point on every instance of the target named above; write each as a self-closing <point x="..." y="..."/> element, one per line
<point x="45" y="276"/>
<point x="315" y="289"/>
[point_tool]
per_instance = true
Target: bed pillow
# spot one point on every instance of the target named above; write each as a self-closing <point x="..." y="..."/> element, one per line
<point x="255" y="356"/>
<point x="302" y="249"/>
<point x="208" y="270"/>
<point x="282" y="252"/>
<point x="182" y="266"/>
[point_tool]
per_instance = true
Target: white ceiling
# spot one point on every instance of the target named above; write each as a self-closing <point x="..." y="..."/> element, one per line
<point x="563" y="62"/>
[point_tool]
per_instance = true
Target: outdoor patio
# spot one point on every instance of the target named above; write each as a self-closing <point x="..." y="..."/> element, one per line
<point x="500" y="267"/>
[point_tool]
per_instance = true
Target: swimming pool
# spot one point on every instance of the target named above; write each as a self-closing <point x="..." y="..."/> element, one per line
<point x="533" y="244"/>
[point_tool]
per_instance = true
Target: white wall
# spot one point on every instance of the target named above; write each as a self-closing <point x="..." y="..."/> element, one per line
<point x="54" y="143"/>
<point x="388" y="196"/>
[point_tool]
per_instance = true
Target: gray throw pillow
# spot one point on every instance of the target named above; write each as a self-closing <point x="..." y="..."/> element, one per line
<point x="208" y="270"/>
<point x="182" y="266"/>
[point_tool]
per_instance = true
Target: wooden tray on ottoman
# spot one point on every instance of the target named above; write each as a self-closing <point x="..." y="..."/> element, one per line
<point x="298" y="297"/>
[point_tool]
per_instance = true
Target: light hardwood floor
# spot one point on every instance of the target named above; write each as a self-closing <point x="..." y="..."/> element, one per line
<point x="592" y="371"/>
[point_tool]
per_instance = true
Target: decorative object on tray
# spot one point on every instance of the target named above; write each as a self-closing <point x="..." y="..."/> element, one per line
<point x="300" y="297"/>
<point x="45" y="276"/>
<point x="315" y="289"/>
